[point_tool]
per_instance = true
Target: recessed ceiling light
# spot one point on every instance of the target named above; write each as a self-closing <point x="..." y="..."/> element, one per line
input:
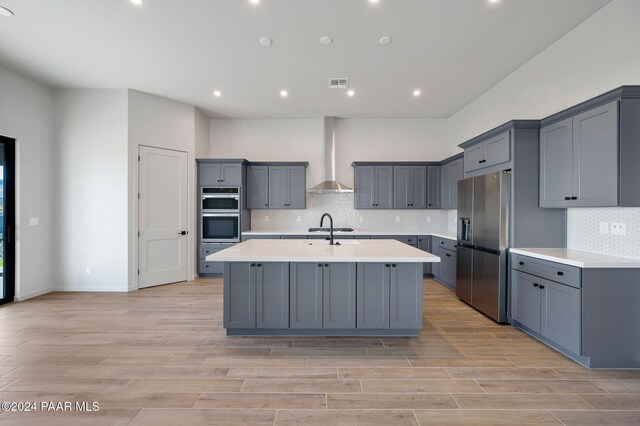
<point x="385" y="40"/>
<point x="137" y="2"/>
<point x="326" y="40"/>
<point x="417" y="93"/>
<point x="217" y="93"/>
<point x="266" y="41"/>
<point x="494" y="1"/>
<point x="351" y="93"/>
<point x="284" y="93"/>
<point x="254" y="1"/>
<point x="374" y="1"/>
<point x="5" y="12"/>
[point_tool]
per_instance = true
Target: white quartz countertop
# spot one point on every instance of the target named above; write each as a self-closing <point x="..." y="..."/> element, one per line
<point x="321" y="251"/>
<point x="356" y="232"/>
<point x="581" y="259"/>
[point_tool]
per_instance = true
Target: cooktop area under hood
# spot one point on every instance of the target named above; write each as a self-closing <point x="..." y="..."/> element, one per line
<point x="330" y="185"/>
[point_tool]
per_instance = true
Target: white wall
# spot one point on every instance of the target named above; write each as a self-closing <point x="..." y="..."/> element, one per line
<point x="597" y="56"/>
<point x="91" y="159"/>
<point x="26" y="114"/>
<point x="202" y="134"/>
<point x="161" y="123"/>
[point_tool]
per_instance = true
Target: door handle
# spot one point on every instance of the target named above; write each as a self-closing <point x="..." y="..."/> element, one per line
<point x="183" y="232"/>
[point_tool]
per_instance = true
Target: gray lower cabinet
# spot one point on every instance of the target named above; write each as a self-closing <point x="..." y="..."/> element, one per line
<point x="551" y="309"/>
<point x="257" y="187"/>
<point x="409" y="187"/>
<point x="434" y="187"/>
<point x="224" y="174"/>
<point x="240" y="295"/>
<point x="407" y="239"/>
<point x="405" y="304"/>
<point x="306" y="294"/>
<point x="424" y="244"/>
<point x="339" y="295"/>
<point x="373" y="291"/>
<point x="205" y="267"/>
<point x="374" y="187"/>
<point x="256" y="295"/>
<point x="272" y="295"/>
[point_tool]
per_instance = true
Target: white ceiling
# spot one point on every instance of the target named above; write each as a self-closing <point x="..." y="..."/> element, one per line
<point x="453" y="50"/>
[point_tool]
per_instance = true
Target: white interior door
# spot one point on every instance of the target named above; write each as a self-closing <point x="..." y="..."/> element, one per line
<point x="162" y="216"/>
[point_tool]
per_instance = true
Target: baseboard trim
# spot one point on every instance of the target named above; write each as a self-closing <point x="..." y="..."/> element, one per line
<point x="33" y="294"/>
<point x="93" y="289"/>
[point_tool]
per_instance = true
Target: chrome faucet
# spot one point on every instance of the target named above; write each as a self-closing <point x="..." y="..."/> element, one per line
<point x="330" y="225"/>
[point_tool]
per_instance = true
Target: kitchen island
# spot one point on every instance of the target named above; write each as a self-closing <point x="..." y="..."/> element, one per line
<point x="309" y="287"/>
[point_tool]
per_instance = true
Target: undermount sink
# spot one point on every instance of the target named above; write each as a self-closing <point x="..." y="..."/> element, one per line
<point x="335" y="242"/>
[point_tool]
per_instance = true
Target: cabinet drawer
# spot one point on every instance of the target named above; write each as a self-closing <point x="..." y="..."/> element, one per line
<point x="207" y="249"/>
<point x="211" y="267"/>
<point x="407" y="239"/>
<point x="260" y="237"/>
<point x="445" y="243"/>
<point x="565" y="274"/>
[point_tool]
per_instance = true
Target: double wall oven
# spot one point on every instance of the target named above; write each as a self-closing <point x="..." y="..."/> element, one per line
<point x="220" y="214"/>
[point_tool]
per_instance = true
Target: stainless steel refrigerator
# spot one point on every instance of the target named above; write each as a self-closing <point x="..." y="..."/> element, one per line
<point x="483" y="235"/>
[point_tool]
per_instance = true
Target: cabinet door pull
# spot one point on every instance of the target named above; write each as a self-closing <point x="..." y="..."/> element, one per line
<point x="387" y="265"/>
<point x="259" y="265"/>
<point x="541" y="287"/>
<point x="319" y="265"/>
<point x="560" y="273"/>
<point x="393" y="265"/>
<point x="326" y="265"/>
<point x="253" y="265"/>
<point x="567" y="198"/>
<point x="448" y="255"/>
<point x="521" y="263"/>
<point x="536" y="285"/>
<point x="574" y="198"/>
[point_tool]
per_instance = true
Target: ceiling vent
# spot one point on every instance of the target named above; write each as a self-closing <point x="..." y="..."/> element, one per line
<point x="338" y="83"/>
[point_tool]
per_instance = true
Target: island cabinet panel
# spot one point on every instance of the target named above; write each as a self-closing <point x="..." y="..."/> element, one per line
<point x="424" y="244"/>
<point x="257" y="187"/>
<point x="405" y="296"/>
<point x="272" y="295"/>
<point x="374" y="280"/>
<point x="239" y="295"/>
<point x="306" y="295"/>
<point x="339" y="298"/>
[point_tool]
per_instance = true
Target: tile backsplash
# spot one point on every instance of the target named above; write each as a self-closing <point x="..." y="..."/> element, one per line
<point x="341" y="208"/>
<point x="583" y="231"/>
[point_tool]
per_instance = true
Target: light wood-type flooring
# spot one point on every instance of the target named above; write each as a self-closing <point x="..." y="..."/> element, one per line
<point x="160" y="356"/>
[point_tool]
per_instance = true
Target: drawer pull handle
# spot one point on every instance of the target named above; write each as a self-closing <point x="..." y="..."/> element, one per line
<point x="541" y="287"/>
<point x="521" y="263"/>
<point x="441" y="242"/>
<point x="448" y="255"/>
<point x="560" y="273"/>
<point x="536" y="285"/>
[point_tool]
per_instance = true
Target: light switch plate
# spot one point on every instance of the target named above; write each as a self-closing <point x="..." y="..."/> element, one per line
<point x="34" y="221"/>
<point x="618" y="228"/>
<point x="428" y="218"/>
<point x="266" y="218"/>
<point x="397" y="218"/>
<point x="604" y="227"/>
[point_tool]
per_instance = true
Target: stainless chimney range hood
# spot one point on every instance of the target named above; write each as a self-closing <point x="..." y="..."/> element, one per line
<point x="330" y="185"/>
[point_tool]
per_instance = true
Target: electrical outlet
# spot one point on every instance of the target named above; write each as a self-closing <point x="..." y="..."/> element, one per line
<point x="299" y="219"/>
<point x="397" y="218"/>
<point x="618" y="228"/>
<point x="34" y="221"/>
<point x="89" y="270"/>
<point x="428" y="218"/>
<point x="361" y="218"/>
<point x="266" y="218"/>
<point x="604" y="227"/>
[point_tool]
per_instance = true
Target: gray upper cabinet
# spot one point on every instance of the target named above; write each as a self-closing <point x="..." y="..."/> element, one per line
<point x="434" y="188"/>
<point x="374" y="187"/>
<point x="287" y="187"/>
<point x="451" y="173"/>
<point x="579" y="160"/>
<point x="488" y="153"/>
<point x="339" y="295"/>
<point x="589" y="154"/>
<point x="221" y="173"/>
<point x="257" y="187"/>
<point x="409" y="187"/>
